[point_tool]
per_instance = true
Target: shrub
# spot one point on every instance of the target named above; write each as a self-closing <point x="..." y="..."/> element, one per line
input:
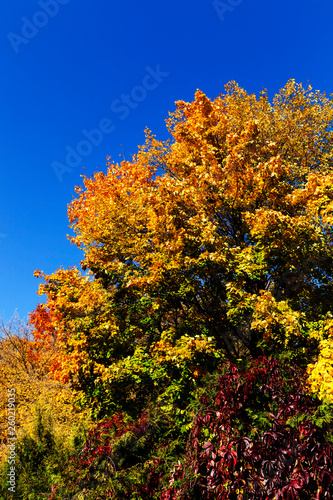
<point x="262" y="437"/>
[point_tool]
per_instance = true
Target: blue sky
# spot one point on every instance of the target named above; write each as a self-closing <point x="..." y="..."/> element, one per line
<point x="81" y="80"/>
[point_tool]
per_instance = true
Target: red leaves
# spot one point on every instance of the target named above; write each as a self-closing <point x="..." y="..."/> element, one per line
<point x="208" y="446"/>
<point x="228" y="456"/>
<point x="98" y="445"/>
<point x="282" y="462"/>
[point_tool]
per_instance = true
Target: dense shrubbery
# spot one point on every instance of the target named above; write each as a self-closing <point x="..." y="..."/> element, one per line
<point x="255" y="434"/>
<point x="41" y="461"/>
<point x="261" y="437"/>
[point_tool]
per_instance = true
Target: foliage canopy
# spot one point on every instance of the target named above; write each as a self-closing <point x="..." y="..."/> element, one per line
<point x="217" y="244"/>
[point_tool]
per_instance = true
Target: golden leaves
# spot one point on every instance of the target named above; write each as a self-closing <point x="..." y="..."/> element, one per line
<point x="321" y="372"/>
<point x="271" y="316"/>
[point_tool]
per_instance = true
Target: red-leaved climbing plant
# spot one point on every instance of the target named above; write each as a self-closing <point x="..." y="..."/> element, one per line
<point x="257" y="439"/>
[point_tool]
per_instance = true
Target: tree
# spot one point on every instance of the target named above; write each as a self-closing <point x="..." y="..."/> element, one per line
<point x="216" y="244"/>
<point x="28" y="393"/>
<point x="20" y="377"/>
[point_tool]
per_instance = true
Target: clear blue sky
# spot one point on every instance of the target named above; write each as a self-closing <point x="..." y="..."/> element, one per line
<point x="73" y="66"/>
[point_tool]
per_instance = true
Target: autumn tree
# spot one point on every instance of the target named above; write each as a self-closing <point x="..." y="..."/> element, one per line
<point x="215" y="244"/>
<point x="19" y="374"/>
<point x="25" y="372"/>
